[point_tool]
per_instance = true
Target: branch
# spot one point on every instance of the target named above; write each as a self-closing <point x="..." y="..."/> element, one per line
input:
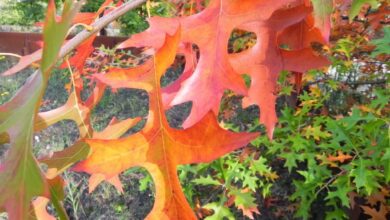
<point x="370" y="82"/>
<point x="79" y="38"/>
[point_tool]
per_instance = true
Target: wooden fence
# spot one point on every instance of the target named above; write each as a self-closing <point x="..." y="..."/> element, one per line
<point x="26" y="43"/>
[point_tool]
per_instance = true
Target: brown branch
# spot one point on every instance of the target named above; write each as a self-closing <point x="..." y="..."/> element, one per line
<point x="370" y="82"/>
<point x="79" y="38"/>
<point x="330" y="181"/>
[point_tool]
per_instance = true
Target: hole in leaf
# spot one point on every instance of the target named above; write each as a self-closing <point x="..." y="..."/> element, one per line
<point x="174" y="71"/>
<point x="241" y="40"/>
<point x="122" y="104"/>
<point x="247" y="79"/>
<point x="136" y="128"/>
<point x="55" y="138"/>
<point x="4" y="151"/>
<point x="234" y="116"/>
<point x="183" y="66"/>
<point x="178" y="113"/>
<point x="87" y="89"/>
<point x="138" y="195"/>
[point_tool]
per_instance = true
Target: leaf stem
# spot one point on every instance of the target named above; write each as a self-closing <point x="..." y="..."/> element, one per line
<point x="10" y="54"/>
<point x="76" y="99"/>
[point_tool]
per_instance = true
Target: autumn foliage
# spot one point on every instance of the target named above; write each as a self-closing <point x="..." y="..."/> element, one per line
<point x="285" y="31"/>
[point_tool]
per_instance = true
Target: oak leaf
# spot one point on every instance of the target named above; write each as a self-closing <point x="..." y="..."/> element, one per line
<point x="158" y="147"/>
<point x="376" y="214"/>
<point x="341" y="157"/>
<point x="213" y="73"/>
<point x="21" y="177"/>
<point x="265" y="60"/>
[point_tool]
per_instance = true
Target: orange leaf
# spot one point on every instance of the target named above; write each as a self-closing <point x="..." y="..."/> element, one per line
<point x="341" y="157"/>
<point x="375" y="214"/>
<point x="158" y="147"/>
<point x="265" y="60"/>
<point x="213" y="73"/>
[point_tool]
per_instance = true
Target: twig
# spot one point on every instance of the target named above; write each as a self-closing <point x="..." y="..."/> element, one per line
<point x="330" y="181"/>
<point x="98" y="25"/>
<point x="370" y="82"/>
<point x="10" y="54"/>
<point x="81" y="37"/>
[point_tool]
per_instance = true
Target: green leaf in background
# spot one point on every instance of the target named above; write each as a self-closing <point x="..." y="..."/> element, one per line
<point x="220" y="211"/>
<point x="357" y="5"/>
<point x="336" y="215"/>
<point x="145" y="182"/>
<point x="382" y="97"/>
<point x="205" y="181"/>
<point x="383" y="44"/>
<point x="250" y="182"/>
<point x="260" y="165"/>
<point x="243" y="198"/>
<point x="291" y="160"/>
<point x="305" y="195"/>
<point x="386" y="160"/>
<point x="309" y="176"/>
<point x="364" y="177"/>
<point x="245" y="201"/>
<point x="341" y="193"/>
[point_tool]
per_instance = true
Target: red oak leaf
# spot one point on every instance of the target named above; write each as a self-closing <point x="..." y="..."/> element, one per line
<point x="158" y="147"/>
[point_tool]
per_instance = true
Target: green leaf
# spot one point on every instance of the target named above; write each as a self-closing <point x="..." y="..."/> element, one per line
<point x="205" y="181"/>
<point x="245" y="201"/>
<point x="298" y="143"/>
<point x="316" y="132"/>
<point x="54" y="33"/>
<point x="309" y="176"/>
<point x="21" y="177"/>
<point x="242" y="198"/>
<point x="382" y="97"/>
<point x="357" y="116"/>
<point x="356" y="6"/>
<point x="286" y="90"/>
<point x="340" y="193"/>
<point x="339" y="133"/>
<point x="250" y="181"/>
<point x="336" y="215"/>
<point x="364" y="177"/>
<point x="383" y="44"/>
<point x="220" y="211"/>
<point x="260" y="165"/>
<point x="345" y="46"/>
<point x="386" y="160"/>
<point x="305" y="195"/>
<point x="291" y="160"/>
<point x="145" y="182"/>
